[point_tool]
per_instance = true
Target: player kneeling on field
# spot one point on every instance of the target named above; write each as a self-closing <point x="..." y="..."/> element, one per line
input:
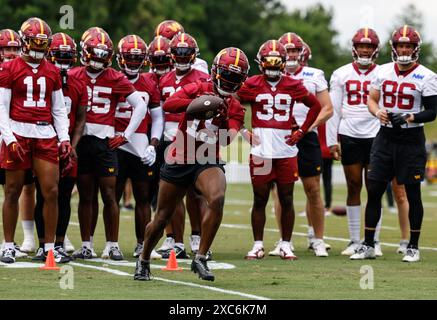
<point x="193" y="158"/>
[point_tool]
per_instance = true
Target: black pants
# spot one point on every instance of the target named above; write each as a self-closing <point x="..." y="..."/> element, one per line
<point x="65" y="188"/>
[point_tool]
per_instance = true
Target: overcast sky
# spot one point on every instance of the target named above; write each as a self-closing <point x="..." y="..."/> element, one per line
<point x="349" y="15"/>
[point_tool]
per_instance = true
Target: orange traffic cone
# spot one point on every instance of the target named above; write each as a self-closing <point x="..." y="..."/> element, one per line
<point x="50" y="262"/>
<point x="172" y="263"/>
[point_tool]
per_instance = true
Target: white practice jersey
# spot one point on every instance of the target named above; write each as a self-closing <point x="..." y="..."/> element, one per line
<point x="349" y="90"/>
<point x="315" y="82"/>
<point x="402" y="93"/>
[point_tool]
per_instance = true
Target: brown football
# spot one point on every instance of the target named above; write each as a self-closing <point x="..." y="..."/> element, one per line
<point x="339" y="210"/>
<point x="204" y="107"/>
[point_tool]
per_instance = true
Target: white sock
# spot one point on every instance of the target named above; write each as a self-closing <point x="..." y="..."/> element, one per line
<point x="49" y="246"/>
<point x="310" y="232"/>
<point x="112" y="244"/>
<point x="86" y="244"/>
<point x="285" y="244"/>
<point x="258" y="244"/>
<point x="91" y="242"/>
<point x="28" y="226"/>
<point x="9" y="245"/>
<point x="378" y="229"/>
<point x="354" y="222"/>
<point x="180" y="245"/>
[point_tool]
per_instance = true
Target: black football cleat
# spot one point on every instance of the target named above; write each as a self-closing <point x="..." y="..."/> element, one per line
<point x="142" y="271"/>
<point x="199" y="266"/>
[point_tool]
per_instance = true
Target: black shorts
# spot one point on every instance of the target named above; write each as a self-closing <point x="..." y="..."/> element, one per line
<point x="355" y="150"/>
<point x="309" y="158"/>
<point x="130" y="166"/>
<point x="95" y="157"/>
<point x="28" y="177"/>
<point x="398" y="153"/>
<point x="185" y="174"/>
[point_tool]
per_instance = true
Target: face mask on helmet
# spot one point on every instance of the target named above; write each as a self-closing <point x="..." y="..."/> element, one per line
<point x="405" y="59"/>
<point x="98" y="58"/>
<point x="131" y="63"/>
<point x="292" y="58"/>
<point x="228" y="81"/>
<point x="183" y="58"/>
<point x="37" y="47"/>
<point x="64" y="60"/>
<point x="272" y="67"/>
<point x="9" y="53"/>
<point x="362" y="59"/>
<point x="160" y="64"/>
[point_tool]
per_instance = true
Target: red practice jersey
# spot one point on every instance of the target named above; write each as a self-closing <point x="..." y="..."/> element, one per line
<point x="194" y="134"/>
<point x="31" y="89"/>
<point x="145" y="85"/>
<point x="76" y="96"/>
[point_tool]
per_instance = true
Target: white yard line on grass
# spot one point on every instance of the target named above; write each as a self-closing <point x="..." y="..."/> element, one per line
<point x="189" y="284"/>
<point x="301" y="234"/>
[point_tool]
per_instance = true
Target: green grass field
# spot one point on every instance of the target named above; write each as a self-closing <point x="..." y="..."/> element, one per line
<point x="335" y="277"/>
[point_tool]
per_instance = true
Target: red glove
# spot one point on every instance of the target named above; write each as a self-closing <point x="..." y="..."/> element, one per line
<point x="117" y="141"/>
<point x="15" y="152"/>
<point x="294" y="138"/>
<point x="65" y="149"/>
<point x="67" y="165"/>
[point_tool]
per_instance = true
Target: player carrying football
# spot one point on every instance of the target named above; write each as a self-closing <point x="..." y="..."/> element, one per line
<point x="203" y="170"/>
<point x="396" y="97"/>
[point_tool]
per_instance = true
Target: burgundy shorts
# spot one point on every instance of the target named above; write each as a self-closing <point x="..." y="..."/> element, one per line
<point x="44" y="149"/>
<point x="281" y="171"/>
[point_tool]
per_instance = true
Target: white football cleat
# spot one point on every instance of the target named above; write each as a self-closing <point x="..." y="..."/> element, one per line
<point x="93" y="253"/>
<point x="363" y="252"/>
<point x="275" y="252"/>
<point x="255" y="254"/>
<point x="68" y="246"/>
<point x="167" y="245"/>
<point x="350" y="250"/>
<point x="378" y="251"/>
<point x="286" y="253"/>
<point x="28" y="246"/>
<point x="194" y="243"/>
<point x="403" y="245"/>
<point x="155" y="255"/>
<point x="105" y="253"/>
<point x="319" y="248"/>
<point x="412" y="255"/>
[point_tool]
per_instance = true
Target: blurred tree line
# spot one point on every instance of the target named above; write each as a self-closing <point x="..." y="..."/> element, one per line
<point x="214" y="24"/>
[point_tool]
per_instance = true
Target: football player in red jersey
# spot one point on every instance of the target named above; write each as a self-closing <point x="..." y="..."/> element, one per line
<point x="272" y="96"/>
<point x="10" y="48"/>
<point x="403" y="96"/>
<point x="135" y="159"/>
<point x="33" y="120"/>
<point x="169" y="29"/>
<point x="63" y="54"/>
<point x="184" y="50"/>
<point x="309" y="156"/>
<point x="97" y="158"/>
<point x="204" y="172"/>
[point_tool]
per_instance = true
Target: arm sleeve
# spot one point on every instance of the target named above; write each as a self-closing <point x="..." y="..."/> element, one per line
<point x="430" y="112"/>
<point x="336" y="94"/>
<point x="311" y="102"/>
<point x="139" y="106"/>
<point x="157" y="122"/>
<point x="5" y="127"/>
<point x="60" y="117"/>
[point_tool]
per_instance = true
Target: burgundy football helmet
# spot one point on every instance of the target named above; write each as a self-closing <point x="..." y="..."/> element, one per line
<point x="405" y="34"/>
<point x="271" y="58"/>
<point x="365" y="36"/>
<point x="132" y="54"/>
<point x="62" y="51"/>
<point x="290" y="41"/>
<point x="159" y="56"/>
<point x="168" y="29"/>
<point x="10" y="45"/>
<point x="36" y="37"/>
<point x="306" y="55"/>
<point x="229" y="70"/>
<point x="184" y="50"/>
<point x="97" y="51"/>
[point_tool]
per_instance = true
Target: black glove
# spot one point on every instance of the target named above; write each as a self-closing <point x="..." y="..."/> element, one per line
<point x="397" y="119"/>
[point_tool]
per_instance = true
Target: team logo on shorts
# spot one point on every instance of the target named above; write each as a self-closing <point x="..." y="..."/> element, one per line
<point x="318" y="168"/>
<point x="111" y="170"/>
<point x="417" y="177"/>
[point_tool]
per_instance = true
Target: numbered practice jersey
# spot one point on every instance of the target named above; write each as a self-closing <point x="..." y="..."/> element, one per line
<point x="349" y="91"/>
<point x="314" y="81"/>
<point x="169" y="84"/>
<point x="105" y="91"/>
<point x="402" y="92"/>
<point x="147" y="87"/>
<point x="76" y="96"/>
<point x="272" y="106"/>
